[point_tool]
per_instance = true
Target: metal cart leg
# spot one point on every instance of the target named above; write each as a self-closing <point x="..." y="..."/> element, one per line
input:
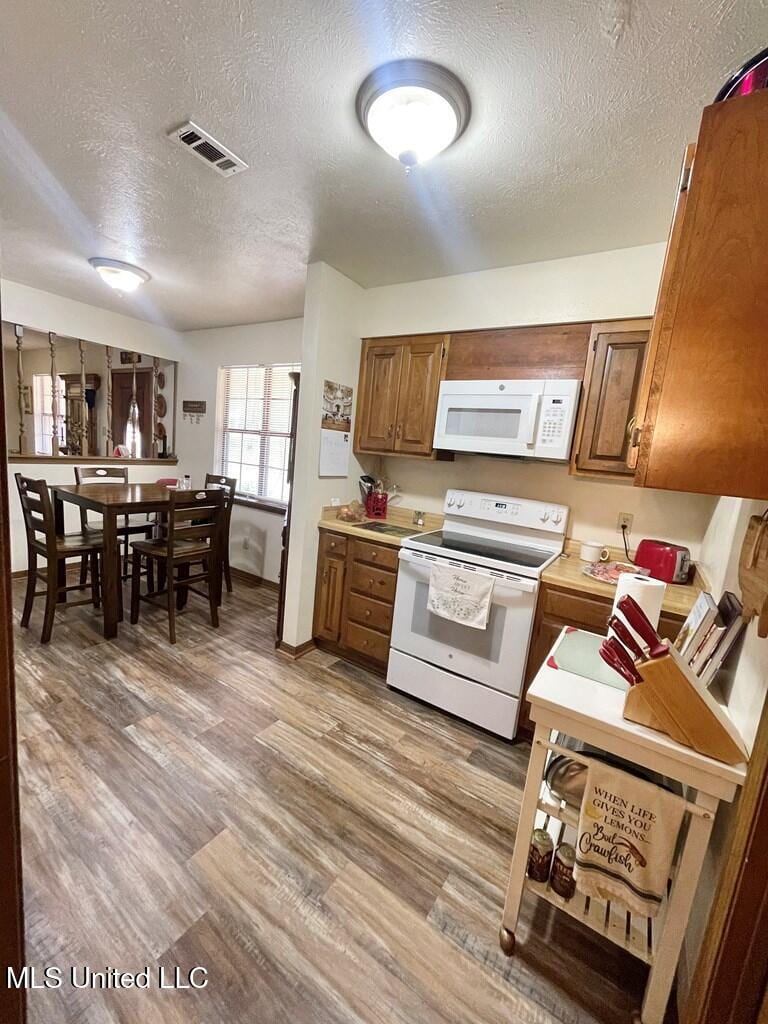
<point x="523" y="840"/>
<point x="668" y="949"/>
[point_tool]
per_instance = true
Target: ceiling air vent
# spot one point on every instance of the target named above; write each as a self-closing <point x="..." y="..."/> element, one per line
<point x="207" y="149"/>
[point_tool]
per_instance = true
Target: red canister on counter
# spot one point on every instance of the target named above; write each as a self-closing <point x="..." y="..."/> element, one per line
<point x="540" y="855"/>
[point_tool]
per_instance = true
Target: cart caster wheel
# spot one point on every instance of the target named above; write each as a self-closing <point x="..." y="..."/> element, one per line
<point x="507" y="941"/>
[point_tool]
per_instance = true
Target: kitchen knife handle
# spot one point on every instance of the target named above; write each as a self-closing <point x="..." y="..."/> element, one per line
<point x="638" y="620"/>
<point x="620" y="629"/>
<point x="613" y="662"/>
<point x="623" y="655"/>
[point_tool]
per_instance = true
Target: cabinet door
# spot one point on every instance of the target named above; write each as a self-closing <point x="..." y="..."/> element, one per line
<point x="377" y="396"/>
<point x="417" y="400"/>
<point x="329" y="595"/>
<point x="707" y="430"/>
<point x="615" y="369"/>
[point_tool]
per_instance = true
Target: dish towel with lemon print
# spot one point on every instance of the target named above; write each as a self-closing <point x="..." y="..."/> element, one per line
<point x="460" y="595"/>
<point x="626" y="840"/>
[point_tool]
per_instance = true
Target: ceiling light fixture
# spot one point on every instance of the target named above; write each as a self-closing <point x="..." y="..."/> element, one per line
<point x="413" y="109"/>
<point x="123" y="277"/>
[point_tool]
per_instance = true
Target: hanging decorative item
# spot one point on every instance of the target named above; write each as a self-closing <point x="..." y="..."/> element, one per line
<point x="192" y="410"/>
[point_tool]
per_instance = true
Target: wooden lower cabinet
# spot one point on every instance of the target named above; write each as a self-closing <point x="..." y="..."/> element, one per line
<point x="558" y="607"/>
<point x="354" y="598"/>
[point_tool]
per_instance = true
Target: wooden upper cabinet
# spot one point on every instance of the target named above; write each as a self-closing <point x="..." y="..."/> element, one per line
<point x="377" y="396"/>
<point x="514" y="353"/>
<point x="706" y="423"/>
<point x="397" y="394"/>
<point x="417" y="399"/>
<point x="611" y="389"/>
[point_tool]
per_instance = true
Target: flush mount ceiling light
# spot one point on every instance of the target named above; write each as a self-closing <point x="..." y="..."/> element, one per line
<point x="123" y="277"/>
<point x="413" y="109"/>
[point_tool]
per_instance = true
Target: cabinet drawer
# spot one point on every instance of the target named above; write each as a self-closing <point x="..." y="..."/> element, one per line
<point x="577" y="609"/>
<point x="373" y="614"/>
<point x="375" y="554"/>
<point x="334" y="544"/>
<point x="373" y="582"/>
<point x="365" y="641"/>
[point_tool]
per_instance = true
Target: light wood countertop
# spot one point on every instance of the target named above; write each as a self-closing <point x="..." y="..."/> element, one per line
<point x="566" y="572"/>
<point x="396" y="516"/>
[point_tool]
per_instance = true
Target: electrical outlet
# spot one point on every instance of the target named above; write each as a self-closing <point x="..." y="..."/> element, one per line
<point x="246" y="543"/>
<point x="335" y="502"/>
<point x="624" y="519"/>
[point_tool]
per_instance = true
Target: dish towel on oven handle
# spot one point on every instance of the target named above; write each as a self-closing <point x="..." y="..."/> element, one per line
<point x="626" y="839"/>
<point x="460" y="595"/>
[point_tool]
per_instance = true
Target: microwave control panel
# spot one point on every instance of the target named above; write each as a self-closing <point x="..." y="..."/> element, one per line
<point x="555" y="421"/>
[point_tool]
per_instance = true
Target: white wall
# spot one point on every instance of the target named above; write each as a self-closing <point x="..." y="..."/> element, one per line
<point x="330" y="350"/>
<point x="598" y="286"/>
<point x="594" y="504"/>
<point x="44" y="311"/>
<point x="204" y="353"/>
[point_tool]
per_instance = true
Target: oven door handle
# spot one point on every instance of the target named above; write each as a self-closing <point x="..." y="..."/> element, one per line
<point x="422" y="567"/>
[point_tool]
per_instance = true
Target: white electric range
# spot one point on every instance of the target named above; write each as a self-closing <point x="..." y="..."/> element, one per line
<point x="475" y="674"/>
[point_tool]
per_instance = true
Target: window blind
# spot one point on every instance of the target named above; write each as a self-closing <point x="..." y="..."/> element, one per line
<point x="254" y="429"/>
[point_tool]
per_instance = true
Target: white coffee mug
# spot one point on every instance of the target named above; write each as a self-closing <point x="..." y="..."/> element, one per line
<point x="593" y="551"/>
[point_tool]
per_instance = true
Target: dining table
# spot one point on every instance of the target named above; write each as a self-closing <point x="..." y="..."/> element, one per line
<point x="111" y="501"/>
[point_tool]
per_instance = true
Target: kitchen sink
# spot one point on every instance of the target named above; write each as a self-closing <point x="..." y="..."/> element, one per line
<point x="389" y="529"/>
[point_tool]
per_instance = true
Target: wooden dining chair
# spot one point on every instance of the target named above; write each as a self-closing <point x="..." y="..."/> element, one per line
<point x="190" y="535"/>
<point x="130" y="527"/>
<point x="40" y="527"/>
<point x="228" y="483"/>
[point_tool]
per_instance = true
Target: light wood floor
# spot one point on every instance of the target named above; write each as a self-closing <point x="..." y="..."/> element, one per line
<point x="330" y="851"/>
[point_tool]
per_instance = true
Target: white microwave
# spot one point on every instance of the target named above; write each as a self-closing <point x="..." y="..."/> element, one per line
<point x="533" y="418"/>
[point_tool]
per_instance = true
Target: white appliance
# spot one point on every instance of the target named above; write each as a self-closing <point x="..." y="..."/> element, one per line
<point x="533" y="418"/>
<point x="475" y="674"/>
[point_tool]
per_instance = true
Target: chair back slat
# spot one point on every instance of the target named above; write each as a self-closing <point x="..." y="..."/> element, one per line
<point x="98" y="475"/>
<point x="38" y="512"/>
<point x="101" y="474"/>
<point x="193" y="516"/>
<point x="228" y="484"/>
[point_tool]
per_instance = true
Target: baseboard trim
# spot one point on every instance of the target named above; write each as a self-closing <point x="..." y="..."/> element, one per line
<point x="250" y="579"/>
<point x="296" y="652"/>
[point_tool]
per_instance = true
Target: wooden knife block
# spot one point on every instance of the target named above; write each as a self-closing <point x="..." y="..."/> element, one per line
<point x="670" y="699"/>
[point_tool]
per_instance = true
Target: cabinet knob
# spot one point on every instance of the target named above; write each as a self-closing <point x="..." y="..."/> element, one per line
<point x="365" y="643"/>
<point x="333" y="544"/>
<point x="373" y="555"/>
<point x="389" y="430"/>
<point x="399" y="431"/>
<point x="371" y="582"/>
<point x="367" y="613"/>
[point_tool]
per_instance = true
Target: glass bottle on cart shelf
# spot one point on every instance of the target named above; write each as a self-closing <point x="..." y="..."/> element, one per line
<point x="540" y="855"/>
<point x="186" y="483"/>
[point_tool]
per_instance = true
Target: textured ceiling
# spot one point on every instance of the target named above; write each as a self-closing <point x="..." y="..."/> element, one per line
<point x="580" y="112"/>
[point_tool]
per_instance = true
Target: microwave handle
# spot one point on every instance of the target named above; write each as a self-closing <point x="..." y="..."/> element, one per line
<point x="533" y="422"/>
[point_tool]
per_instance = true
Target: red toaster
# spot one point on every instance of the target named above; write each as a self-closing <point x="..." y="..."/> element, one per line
<point x="668" y="562"/>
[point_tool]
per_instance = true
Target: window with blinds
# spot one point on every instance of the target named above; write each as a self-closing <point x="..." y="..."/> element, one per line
<point x="254" y="437"/>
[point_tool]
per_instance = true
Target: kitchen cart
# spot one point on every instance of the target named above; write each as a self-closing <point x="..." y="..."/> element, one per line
<point x="572" y="705"/>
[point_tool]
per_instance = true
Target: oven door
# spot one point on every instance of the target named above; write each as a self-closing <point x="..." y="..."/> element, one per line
<point x="497" y="417"/>
<point x="494" y="656"/>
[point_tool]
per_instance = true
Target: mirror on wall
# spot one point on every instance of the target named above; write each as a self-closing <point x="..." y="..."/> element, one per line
<point x="68" y="397"/>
